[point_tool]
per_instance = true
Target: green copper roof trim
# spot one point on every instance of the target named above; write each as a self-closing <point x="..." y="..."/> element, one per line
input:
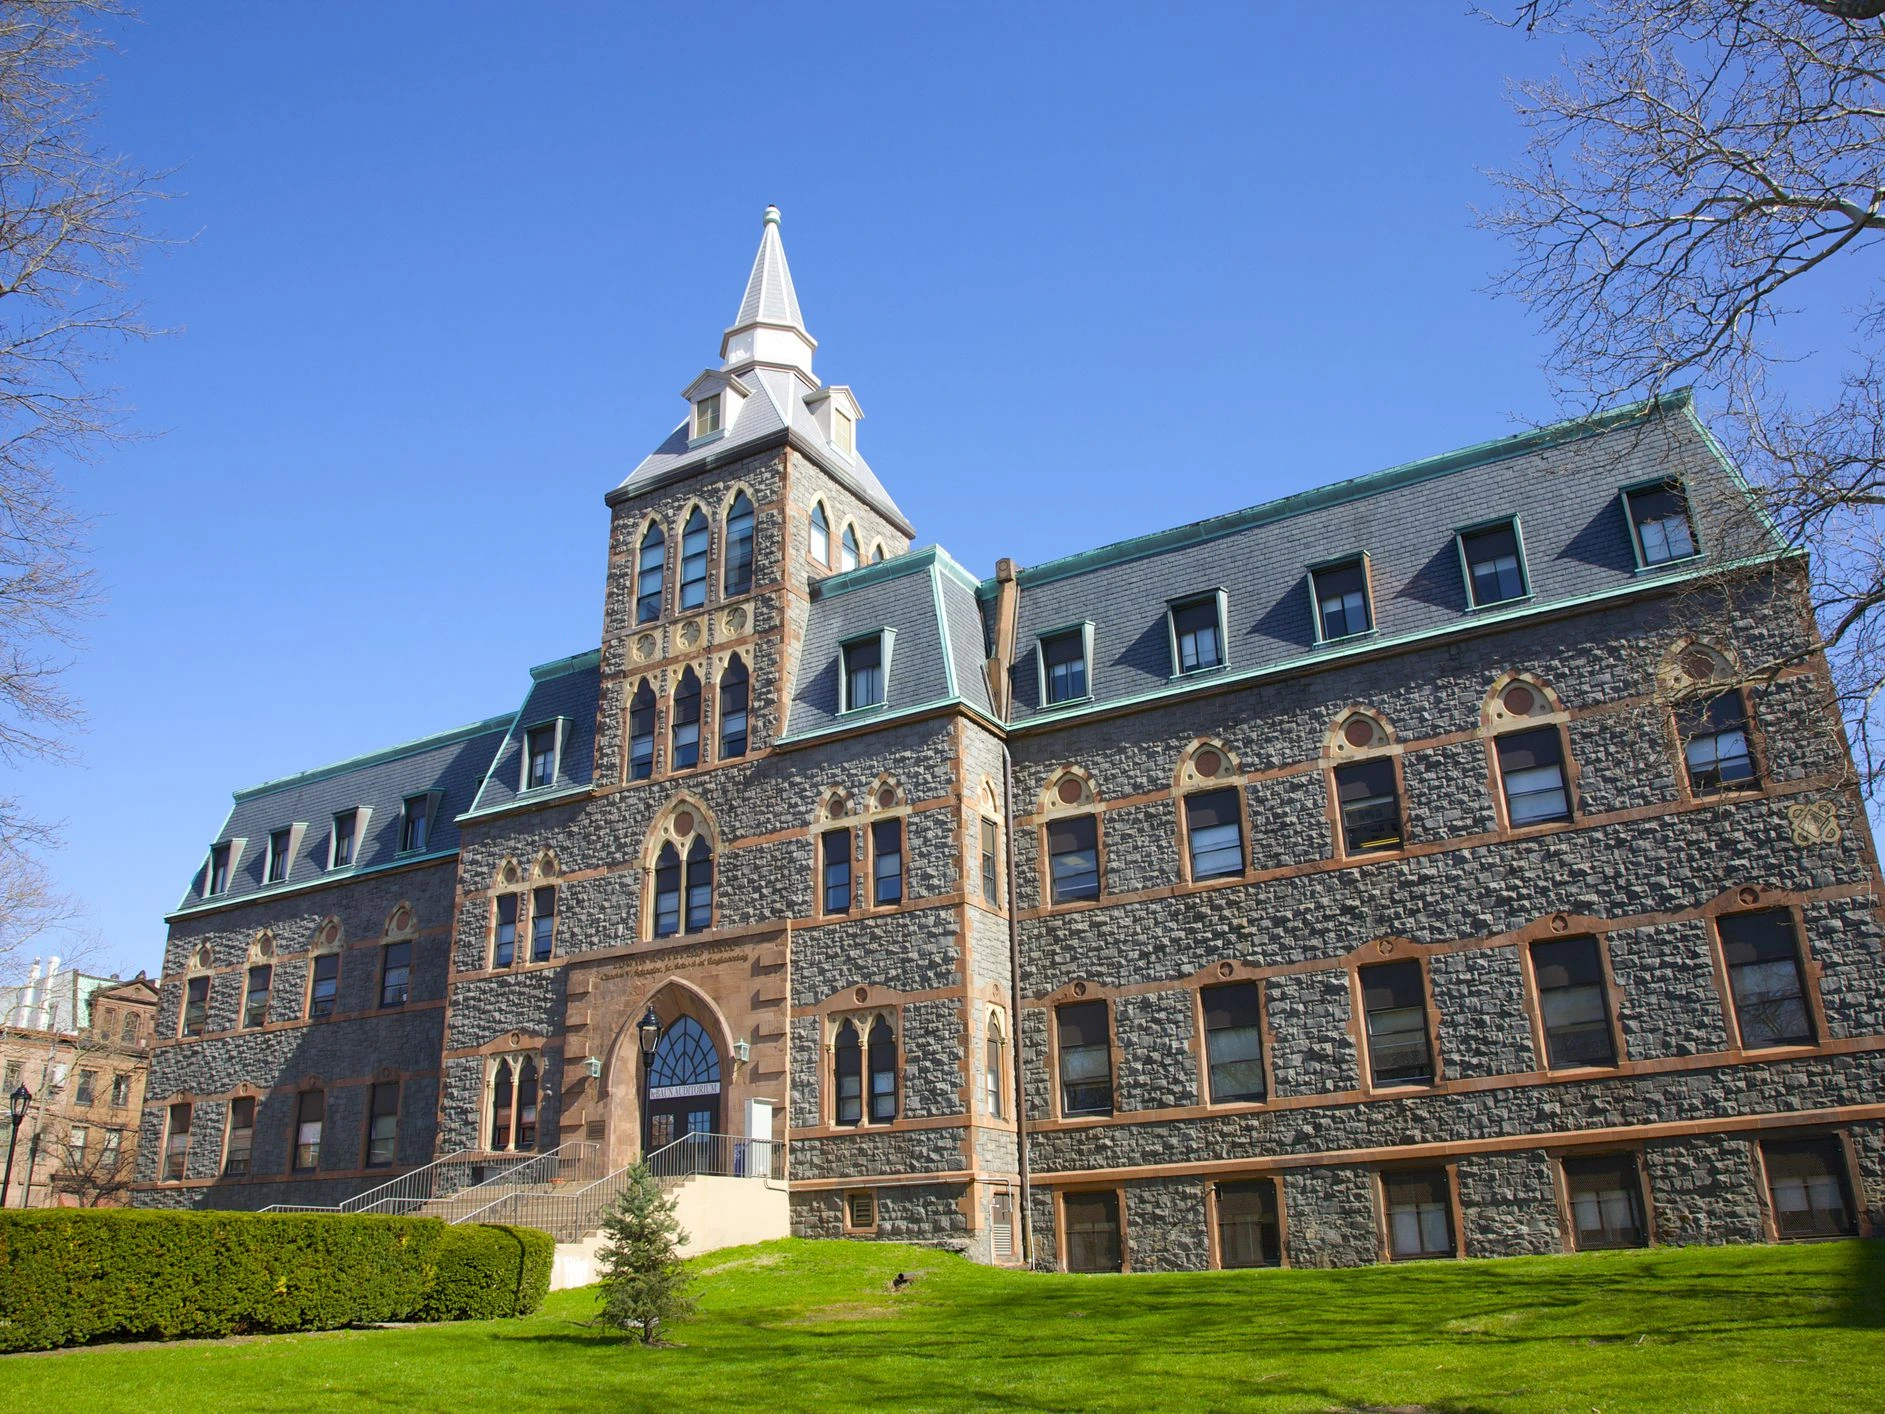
<point x="1474" y="623"/>
<point x="911" y="562"/>
<point x="523" y="800"/>
<point x="376" y="758"/>
<point x="1728" y="465"/>
<point x="878" y="719"/>
<point x="1341" y="492"/>
<point x="942" y="628"/>
<point x="563" y="667"/>
<point x="329" y="878"/>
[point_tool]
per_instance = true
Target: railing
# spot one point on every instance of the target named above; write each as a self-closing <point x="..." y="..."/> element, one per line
<point x="458" y="1173"/>
<point x="570" y="1216"/>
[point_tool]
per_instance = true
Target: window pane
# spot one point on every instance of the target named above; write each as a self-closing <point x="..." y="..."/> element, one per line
<point x="694" y="561"/>
<point x="1092" y="1221"/>
<point x="382" y="1125"/>
<point x="1199" y="635"/>
<point x="649" y="576"/>
<point x="821" y="536"/>
<point x="1606" y="1201"/>
<point x="739" y="546"/>
<point x="641" y="734"/>
<point x="887" y="861"/>
<point x="733" y="704"/>
<point x="542" y="756"/>
<point x="1763" y="957"/>
<point x="699" y="887"/>
<point x="1216" y="831"/>
<point x="1531" y="768"/>
<point x="1420" y="1217"/>
<point x="1809" y="1188"/>
<point x="542" y="924"/>
<point x="1663" y="531"/>
<point x="849" y="1063"/>
<point x="1342" y="600"/>
<point x="1247" y="1229"/>
<point x="1064" y="657"/>
<point x="326" y="984"/>
<point x="847" y="549"/>
<point x="990" y="886"/>
<point x="863" y="673"/>
<point x="1074" y="858"/>
<point x="241" y="1141"/>
<point x="310" y="1110"/>
<point x="1086" y="1062"/>
<point x="837" y="850"/>
<point x="1571" y="999"/>
<point x="1395" y="999"/>
<point x="343" y="839"/>
<point x="396" y="974"/>
<point x="1715" y="744"/>
<point x="255" y="1006"/>
<point x="667" y="917"/>
<point x="1233" y="1041"/>
<point x="504" y="946"/>
<point x="1492" y="565"/>
<point x="1371" y="806"/>
<point x="883" y="1073"/>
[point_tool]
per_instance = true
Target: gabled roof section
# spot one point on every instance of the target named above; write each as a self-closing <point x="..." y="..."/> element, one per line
<point x="564" y="691"/>
<point x="451" y="764"/>
<point x="927" y="601"/>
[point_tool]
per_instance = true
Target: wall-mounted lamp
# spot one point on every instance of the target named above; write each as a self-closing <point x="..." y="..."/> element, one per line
<point x="742" y="1052"/>
<point x="593" y="1064"/>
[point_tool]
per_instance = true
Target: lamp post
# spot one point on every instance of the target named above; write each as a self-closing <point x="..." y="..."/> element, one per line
<point x="648" y="1033"/>
<point x="17" y="1104"/>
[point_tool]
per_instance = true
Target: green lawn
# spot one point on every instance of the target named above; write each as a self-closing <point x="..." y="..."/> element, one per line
<point x="815" y="1325"/>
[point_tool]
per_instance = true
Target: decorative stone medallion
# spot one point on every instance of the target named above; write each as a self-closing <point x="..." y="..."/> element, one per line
<point x="1815" y="824"/>
<point x="644" y="648"/>
<point x="1070" y="791"/>
<point x="1520" y="700"/>
<point x="690" y="634"/>
<point x="733" y="622"/>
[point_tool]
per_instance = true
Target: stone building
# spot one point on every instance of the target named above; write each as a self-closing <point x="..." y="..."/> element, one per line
<point x="1403" y="868"/>
<point x="80" y="1046"/>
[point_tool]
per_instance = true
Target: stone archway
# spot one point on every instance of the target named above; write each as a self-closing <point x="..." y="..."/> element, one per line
<point x="685" y="1057"/>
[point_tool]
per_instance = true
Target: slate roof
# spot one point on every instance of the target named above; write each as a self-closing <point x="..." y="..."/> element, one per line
<point x="928" y="601"/>
<point x="770" y="297"/>
<point x="454" y="762"/>
<point x="1563" y="483"/>
<point x="566" y="689"/>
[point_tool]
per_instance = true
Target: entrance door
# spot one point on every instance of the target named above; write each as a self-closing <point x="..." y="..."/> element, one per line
<point x="683" y="1101"/>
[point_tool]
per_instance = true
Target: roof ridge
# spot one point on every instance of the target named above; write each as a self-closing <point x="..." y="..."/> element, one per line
<point x="374" y="758"/>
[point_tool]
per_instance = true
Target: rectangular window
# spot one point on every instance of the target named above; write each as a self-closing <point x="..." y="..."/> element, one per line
<point x="310" y="1113"/>
<point x="843" y="434"/>
<point x="195" y="1006"/>
<point x="415" y="826"/>
<point x="707" y="415"/>
<point x="255" y="1002"/>
<point x="1495" y="571"/>
<point x="278" y="856"/>
<point x="1420" y="1214"/>
<point x="991" y="886"/>
<point x="1342" y="600"/>
<point x="1531" y="770"/>
<point x="77" y="1140"/>
<point x="344" y="825"/>
<point x="1063" y="662"/>
<point x="1248" y="1233"/>
<point x="87" y="1091"/>
<point x="1394" y="996"/>
<point x="1073" y="858"/>
<point x="504" y="942"/>
<point x="540" y="748"/>
<point x="1086" y="1059"/>
<point x="177" y="1143"/>
<point x="543" y="924"/>
<point x="887" y="862"/>
<point x="120" y="1091"/>
<point x="837" y="852"/>
<point x="1198" y="635"/>
<point x="860" y="1211"/>
<point x="395" y="974"/>
<point x="1215" y="827"/>
<point x="240" y="1143"/>
<point x="1659" y="519"/>
<point x="218" y="871"/>
<point x="1606" y="1201"/>
<point x="1371" y="806"/>
<point x="1715" y="744"/>
<point x="1233" y="1042"/>
<point x="864" y="674"/>
<point x="382" y="1125"/>
<point x="113" y="1150"/>
<point x="1763" y="956"/>
<point x="325" y="985"/>
<point x="1572" y="1004"/>
<point x="1809" y="1188"/>
<point x="1092" y="1224"/>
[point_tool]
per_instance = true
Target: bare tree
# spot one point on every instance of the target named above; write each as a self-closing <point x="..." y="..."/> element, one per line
<point x="1696" y="170"/>
<point x="69" y="235"/>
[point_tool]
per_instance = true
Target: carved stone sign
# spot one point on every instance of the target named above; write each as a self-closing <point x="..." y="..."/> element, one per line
<point x="1815" y="824"/>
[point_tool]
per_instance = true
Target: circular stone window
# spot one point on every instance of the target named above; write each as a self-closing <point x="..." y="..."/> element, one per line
<point x="886" y="798"/>
<point x="684" y="823"/>
<point x="1209" y="763"/>
<point x="1358" y="732"/>
<point x="1070" y="791"/>
<point x="1520" y="700"/>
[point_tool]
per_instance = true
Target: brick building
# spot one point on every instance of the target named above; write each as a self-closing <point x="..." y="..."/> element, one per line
<point x="1402" y="868"/>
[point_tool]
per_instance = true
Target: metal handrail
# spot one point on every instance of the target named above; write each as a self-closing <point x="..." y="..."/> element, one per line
<point x="718" y="1156"/>
<point x="459" y="1172"/>
<point x="371" y="1195"/>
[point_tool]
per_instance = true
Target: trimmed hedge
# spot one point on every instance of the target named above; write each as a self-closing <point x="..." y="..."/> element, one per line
<point x="71" y="1275"/>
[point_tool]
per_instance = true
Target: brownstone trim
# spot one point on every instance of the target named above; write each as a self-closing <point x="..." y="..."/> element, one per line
<point x="893" y="1180"/>
<point x="844" y="1203"/>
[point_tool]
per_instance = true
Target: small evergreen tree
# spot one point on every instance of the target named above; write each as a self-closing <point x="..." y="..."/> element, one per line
<point x="643" y="1281"/>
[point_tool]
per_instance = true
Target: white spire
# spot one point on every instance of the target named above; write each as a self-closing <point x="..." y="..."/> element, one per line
<point x="769" y="328"/>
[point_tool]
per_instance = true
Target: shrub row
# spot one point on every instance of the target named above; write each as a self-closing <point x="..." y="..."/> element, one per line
<point x="71" y="1275"/>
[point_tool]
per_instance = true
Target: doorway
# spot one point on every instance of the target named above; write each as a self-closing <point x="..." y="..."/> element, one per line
<point x="683" y="1100"/>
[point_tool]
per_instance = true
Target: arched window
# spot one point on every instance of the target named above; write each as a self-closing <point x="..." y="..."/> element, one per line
<point x="991" y="1069"/>
<point x="847" y="549"/>
<point x="849" y="1065"/>
<point x="733" y="701"/>
<point x="686" y="728"/>
<point x="684" y="1056"/>
<point x="699" y="886"/>
<point x="737" y="566"/>
<point x="694" y="560"/>
<point x="883" y="1068"/>
<point x="821" y="535"/>
<point x="649" y="574"/>
<point x="641" y="733"/>
<point x="667" y="892"/>
<point x="513" y="1102"/>
<point x="877" y="553"/>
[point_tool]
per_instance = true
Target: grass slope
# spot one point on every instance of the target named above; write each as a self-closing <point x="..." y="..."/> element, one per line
<point x="815" y="1325"/>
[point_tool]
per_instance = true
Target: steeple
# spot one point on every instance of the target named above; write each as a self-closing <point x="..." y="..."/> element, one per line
<point x="769" y="328"/>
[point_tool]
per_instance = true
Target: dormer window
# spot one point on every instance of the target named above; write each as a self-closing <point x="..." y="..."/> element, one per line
<point x="843" y="431"/>
<point x="1341" y="595"/>
<point x="415" y="828"/>
<point x="218" y="871"/>
<point x="1495" y="564"/>
<point x="346" y="824"/>
<point x="540" y="745"/>
<point x="1197" y="629"/>
<point x="1064" y="658"/>
<point x="707" y="415"/>
<point x="866" y="667"/>
<point x="278" y="857"/>
<point x="1660" y="527"/>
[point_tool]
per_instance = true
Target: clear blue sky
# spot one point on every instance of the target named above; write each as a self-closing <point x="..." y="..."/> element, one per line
<point x="1091" y="270"/>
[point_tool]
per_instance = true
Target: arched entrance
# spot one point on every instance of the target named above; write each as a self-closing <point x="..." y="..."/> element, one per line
<point x="683" y="1085"/>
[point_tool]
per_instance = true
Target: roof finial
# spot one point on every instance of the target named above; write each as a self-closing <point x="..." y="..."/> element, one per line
<point x="772" y="215"/>
<point x="769" y="328"/>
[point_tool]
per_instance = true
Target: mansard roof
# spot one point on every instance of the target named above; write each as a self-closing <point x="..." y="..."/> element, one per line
<point x="451" y="764"/>
<point x="926" y="601"/>
<point x="1563" y="484"/>
<point x="563" y="692"/>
